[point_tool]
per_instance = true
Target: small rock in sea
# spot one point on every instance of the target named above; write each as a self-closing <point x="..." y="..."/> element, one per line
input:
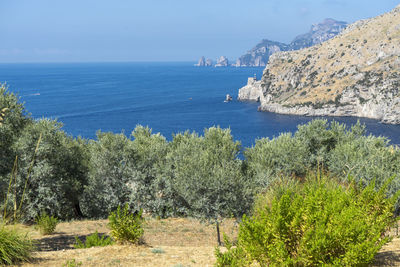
<point x="228" y="98"/>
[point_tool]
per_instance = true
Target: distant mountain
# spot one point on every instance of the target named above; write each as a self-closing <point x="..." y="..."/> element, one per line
<point x="321" y="32"/>
<point x="259" y="55"/>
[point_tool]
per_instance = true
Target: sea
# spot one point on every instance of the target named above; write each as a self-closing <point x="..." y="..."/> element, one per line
<point x="169" y="97"/>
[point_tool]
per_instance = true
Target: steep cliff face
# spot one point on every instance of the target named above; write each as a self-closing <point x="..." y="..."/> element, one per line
<point x="357" y="73"/>
<point x="321" y="32"/>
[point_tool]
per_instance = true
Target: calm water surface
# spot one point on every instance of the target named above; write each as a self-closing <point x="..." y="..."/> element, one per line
<point x="168" y="97"/>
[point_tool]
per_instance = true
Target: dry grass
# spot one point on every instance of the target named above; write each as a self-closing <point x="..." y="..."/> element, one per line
<point x="167" y="242"/>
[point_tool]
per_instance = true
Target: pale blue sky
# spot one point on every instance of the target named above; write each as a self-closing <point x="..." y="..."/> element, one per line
<point x="160" y="30"/>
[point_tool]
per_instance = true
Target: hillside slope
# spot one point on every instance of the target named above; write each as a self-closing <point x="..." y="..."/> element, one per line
<point x="357" y="73"/>
<point x="320" y="32"/>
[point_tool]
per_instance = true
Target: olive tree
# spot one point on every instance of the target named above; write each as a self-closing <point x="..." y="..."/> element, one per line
<point x="13" y="119"/>
<point x="268" y="159"/>
<point x="151" y="191"/>
<point x="51" y="177"/>
<point x="208" y="177"/>
<point x="109" y="172"/>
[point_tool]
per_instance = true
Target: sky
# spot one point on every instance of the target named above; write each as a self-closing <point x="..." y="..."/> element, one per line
<point x="160" y="30"/>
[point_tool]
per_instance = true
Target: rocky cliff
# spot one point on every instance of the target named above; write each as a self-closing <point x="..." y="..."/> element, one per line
<point x="321" y="32"/>
<point x="356" y="73"/>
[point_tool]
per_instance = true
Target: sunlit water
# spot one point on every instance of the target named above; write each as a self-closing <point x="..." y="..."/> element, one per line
<point x="168" y="97"/>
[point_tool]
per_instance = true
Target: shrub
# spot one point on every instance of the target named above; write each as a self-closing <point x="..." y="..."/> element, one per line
<point x="126" y="226"/>
<point x="14" y="246"/>
<point x="93" y="240"/>
<point x="46" y="224"/>
<point x="72" y="263"/>
<point x="319" y="222"/>
<point x="157" y="251"/>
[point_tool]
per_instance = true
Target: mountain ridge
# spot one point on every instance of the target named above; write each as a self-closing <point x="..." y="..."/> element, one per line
<point x="318" y="33"/>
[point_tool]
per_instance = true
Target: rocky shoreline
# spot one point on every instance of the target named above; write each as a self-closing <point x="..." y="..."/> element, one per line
<point x="348" y="105"/>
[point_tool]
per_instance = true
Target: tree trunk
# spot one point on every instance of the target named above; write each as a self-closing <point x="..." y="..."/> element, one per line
<point x="77" y="211"/>
<point x="218" y="235"/>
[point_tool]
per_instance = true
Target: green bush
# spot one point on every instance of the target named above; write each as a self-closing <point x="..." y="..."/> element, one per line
<point x="319" y="222"/>
<point x="72" y="263"/>
<point x="93" y="240"/>
<point x="14" y="246"/>
<point x="126" y="226"/>
<point x="46" y="224"/>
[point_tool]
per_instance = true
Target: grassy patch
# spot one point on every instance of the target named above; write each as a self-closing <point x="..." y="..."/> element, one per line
<point x="93" y="240"/>
<point x="14" y="246"/>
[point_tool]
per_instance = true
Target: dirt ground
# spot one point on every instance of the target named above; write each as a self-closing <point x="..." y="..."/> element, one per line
<point x="171" y="242"/>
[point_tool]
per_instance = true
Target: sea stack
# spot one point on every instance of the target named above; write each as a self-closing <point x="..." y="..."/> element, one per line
<point x="222" y="62"/>
<point x="201" y="63"/>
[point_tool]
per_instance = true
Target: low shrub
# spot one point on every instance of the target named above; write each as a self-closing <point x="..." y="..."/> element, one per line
<point x="93" y="240"/>
<point x="126" y="226"/>
<point x="157" y="251"/>
<point x="72" y="263"/>
<point x="14" y="246"/>
<point x="46" y="224"/>
<point x="319" y="222"/>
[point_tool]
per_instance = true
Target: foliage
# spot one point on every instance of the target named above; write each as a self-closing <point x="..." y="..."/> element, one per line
<point x="367" y="159"/>
<point x="14" y="246"/>
<point x="72" y="263"/>
<point x="319" y="222"/>
<point x="12" y="122"/>
<point x="46" y="224"/>
<point x="126" y="226"/>
<point x="157" y="251"/>
<point x="207" y="176"/>
<point x="93" y="240"/>
<point x="56" y="180"/>
<point x="109" y="172"/>
<point x="283" y="155"/>
<point x="151" y="190"/>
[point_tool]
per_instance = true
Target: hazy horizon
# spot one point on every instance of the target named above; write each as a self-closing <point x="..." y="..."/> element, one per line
<point x="45" y="31"/>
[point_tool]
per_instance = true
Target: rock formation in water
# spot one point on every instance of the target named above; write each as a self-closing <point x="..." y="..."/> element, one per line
<point x="209" y="62"/>
<point x="222" y="62"/>
<point x="204" y="62"/>
<point x="321" y="32"/>
<point x="356" y="73"/>
<point x="201" y="63"/>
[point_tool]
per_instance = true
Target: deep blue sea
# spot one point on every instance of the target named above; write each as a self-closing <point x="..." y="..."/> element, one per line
<point x="167" y="97"/>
